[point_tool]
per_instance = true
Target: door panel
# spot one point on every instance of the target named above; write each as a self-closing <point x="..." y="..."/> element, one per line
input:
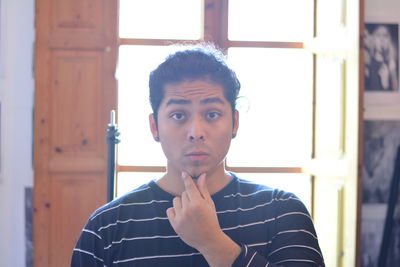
<point x="76" y="51"/>
<point x="329" y="221"/>
<point x="336" y="156"/>
<point x="69" y="210"/>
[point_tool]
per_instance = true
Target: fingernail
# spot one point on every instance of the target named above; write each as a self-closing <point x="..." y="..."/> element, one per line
<point x="183" y="175"/>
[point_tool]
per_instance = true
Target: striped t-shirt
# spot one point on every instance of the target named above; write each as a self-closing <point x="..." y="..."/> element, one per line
<point x="273" y="228"/>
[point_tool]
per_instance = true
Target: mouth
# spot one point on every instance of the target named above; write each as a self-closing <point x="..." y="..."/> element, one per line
<point x="197" y="156"/>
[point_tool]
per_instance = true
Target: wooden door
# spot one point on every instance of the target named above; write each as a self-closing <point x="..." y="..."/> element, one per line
<point x="76" y="49"/>
<point x="338" y="118"/>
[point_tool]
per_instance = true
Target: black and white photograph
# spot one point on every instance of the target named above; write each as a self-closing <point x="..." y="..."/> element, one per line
<point x="381" y="50"/>
<point x="381" y="140"/>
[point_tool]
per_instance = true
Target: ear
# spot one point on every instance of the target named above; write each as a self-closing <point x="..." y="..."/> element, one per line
<point x="235" y="122"/>
<point x="153" y="126"/>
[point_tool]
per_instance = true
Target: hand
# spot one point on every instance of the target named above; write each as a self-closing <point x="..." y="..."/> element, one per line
<point x="194" y="219"/>
<point x="193" y="215"/>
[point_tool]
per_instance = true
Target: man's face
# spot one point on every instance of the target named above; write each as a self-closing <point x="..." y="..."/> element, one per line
<point x="195" y="126"/>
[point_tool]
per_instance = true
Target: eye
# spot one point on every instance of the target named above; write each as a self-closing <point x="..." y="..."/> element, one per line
<point x="177" y="116"/>
<point x="213" y="115"/>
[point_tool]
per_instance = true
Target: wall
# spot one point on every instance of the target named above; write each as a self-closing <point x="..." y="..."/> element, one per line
<point x="381" y="139"/>
<point x="16" y="98"/>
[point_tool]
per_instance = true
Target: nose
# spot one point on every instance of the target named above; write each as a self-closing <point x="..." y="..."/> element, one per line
<point x="196" y="130"/>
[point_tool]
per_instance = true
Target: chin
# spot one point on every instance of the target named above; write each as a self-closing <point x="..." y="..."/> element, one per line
<point x="195" y="172"/>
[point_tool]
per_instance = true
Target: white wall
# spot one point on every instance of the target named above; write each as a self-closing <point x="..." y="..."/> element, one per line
<point x="382" y="10"/>
<point x="16" y="98"/>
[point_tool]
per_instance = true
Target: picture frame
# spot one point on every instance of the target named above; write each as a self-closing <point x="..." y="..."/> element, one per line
<point x="382" y="139"/>
<point x="381" y="64"/>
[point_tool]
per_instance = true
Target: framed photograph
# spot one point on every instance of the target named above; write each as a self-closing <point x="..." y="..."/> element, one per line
<point x="381" y="139"/>
<point x="381" y="64"/>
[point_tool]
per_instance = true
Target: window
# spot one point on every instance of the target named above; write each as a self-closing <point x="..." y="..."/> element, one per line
<point x="298" y="65"/>
<point x="264" y="45"/>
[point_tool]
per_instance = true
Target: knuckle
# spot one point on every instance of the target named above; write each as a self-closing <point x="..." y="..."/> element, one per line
<point x="176" y="200"/>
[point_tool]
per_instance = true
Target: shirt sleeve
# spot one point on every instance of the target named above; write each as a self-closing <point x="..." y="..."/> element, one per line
<point x="89" y="250"/>
<point x="249" y="257"/>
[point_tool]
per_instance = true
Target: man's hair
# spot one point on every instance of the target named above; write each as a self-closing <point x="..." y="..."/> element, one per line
<point x="202" y="62"/>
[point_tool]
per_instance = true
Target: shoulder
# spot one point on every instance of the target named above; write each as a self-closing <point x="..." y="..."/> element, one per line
<point x="278" y="198"/>
<point x="248" y="187"/>
<point x="138" y="196"/>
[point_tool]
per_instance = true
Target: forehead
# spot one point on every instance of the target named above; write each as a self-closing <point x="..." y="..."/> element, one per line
<point x="193" y="90"/>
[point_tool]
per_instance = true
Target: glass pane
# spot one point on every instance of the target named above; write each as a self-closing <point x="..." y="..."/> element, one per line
<point x="331" y="16"/>
<point x="296" y="183"/>
<point x="275" y="125"/>
<point x="160" y="19"/>
<point x="137" y="146"/>
<point x="270" y="20"/>
<point x="127" y="181"/>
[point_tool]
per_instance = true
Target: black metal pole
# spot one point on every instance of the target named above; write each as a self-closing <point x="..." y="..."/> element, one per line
<point x="112" y="141"/>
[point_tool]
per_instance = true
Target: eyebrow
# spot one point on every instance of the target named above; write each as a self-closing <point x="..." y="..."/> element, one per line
<point x="212" y="100"/>
<point x="178" y="102"/>
<point x="203" y="101"/>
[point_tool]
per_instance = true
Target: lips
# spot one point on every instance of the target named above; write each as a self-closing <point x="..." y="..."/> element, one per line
<point x="197" y="155"/>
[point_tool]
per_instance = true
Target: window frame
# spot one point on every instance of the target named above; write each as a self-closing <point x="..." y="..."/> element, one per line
<point x="215" y="29"/>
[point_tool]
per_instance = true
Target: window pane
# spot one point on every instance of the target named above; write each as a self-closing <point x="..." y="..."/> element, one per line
<point x="137" y="146"/>
<point x="275" y="125"/>
<point x="296" y="183"/>
<point x="160" y="19"/>
<point x="127" y="181"/>
<point x="270" y="20"/>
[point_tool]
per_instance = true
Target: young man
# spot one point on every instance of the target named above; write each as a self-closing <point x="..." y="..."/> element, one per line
<point x="198" y="214"/>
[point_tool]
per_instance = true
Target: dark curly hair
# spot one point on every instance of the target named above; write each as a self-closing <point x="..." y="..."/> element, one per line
<point x="201" y="62"/>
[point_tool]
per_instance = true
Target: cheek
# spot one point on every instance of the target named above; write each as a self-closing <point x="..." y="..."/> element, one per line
<point x="224" y="139"/>
<point x="171" y="143"/>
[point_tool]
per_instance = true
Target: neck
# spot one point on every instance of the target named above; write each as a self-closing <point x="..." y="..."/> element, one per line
<point x="172" y="182"/>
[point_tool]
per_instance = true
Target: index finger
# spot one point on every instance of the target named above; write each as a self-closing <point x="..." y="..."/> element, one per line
<point x="202" y="186"/>
<point x="190" y="186"/>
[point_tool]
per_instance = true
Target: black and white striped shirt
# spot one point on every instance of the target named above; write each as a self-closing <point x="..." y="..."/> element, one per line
<point x="273" y="227"/>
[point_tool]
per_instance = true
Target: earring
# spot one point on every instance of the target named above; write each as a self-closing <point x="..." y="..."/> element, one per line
<point x="157" y="139"/>
<point x="233" y="135"/>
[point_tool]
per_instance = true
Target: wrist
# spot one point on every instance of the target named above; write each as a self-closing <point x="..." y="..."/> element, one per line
<point x="222" y="252"/>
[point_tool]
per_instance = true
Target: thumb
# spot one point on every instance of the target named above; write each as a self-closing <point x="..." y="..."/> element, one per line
<point x="202" y="186"/>
<point x="171" y="216"/>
